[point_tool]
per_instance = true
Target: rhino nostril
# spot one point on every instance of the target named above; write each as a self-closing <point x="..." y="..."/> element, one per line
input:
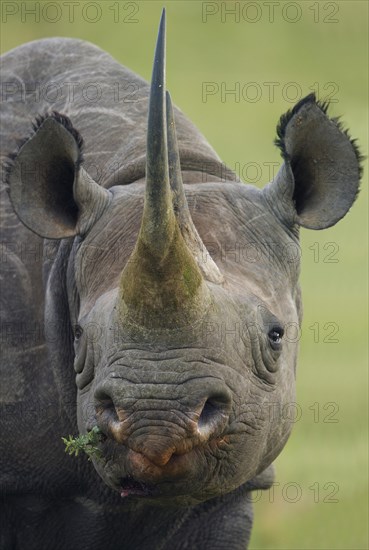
<point x="109" y="418"/>
<point x="103" y="397"/>
<point x="208" y="414"/>
<point x="213" y="416"/>
<point x="105" y="406"/>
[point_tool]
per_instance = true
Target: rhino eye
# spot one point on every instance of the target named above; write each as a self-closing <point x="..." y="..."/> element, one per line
<point x="275" y="337"/>
<point x="78" y="331"/>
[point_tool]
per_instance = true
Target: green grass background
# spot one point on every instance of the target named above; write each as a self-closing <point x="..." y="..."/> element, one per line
<point x="330" y="49"/>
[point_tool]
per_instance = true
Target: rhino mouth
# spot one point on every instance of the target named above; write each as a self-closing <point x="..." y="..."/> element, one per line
<point x="131" y="487"/>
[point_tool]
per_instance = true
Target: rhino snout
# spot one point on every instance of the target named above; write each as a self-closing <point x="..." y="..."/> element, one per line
<point x="160" y="428"/>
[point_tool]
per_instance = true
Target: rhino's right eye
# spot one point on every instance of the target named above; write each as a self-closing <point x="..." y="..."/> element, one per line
<point x="78" y="331"/>
<point x="275" y="337"/>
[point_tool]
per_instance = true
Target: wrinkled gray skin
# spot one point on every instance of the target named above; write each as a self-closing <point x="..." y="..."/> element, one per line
<point x="184" y="400"/>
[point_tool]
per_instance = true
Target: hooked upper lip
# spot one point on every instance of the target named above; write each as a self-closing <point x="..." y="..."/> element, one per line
<point x="134" y="475"/>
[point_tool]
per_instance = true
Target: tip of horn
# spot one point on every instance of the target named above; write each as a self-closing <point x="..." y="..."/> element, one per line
<point x="156" y="169"/>
<point x="158" y="72"/>
<point x="160" y="47"/>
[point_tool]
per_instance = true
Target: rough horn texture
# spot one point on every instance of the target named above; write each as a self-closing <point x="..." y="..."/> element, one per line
<point x="161" y="277"/>
<point x="208" y="267"/>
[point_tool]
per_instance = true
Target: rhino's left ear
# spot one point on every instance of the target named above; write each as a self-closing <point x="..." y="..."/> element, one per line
<point x="49" y="190"/>
<point x="319" y="179"/>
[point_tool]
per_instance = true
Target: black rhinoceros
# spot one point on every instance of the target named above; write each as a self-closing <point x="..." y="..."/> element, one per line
<point x="117" y="320"/>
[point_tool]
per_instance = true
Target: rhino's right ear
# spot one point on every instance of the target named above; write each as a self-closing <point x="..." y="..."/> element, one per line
<point x="49" y="190"/>
<point x="319" y="180"/>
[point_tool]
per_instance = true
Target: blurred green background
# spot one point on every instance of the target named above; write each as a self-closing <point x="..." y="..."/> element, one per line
<point x="321" y="501"/>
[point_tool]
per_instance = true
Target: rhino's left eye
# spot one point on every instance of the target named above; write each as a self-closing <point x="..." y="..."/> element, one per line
<point x="275" y="337"/>
<point x="78" y="331"/>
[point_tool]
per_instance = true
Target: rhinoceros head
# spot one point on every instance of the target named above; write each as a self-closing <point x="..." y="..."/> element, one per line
<point x="185" y="365"/>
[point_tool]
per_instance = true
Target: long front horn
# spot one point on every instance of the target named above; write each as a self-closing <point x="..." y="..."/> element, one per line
<point x="158" y="219"/>
<point x="161" y="285"/>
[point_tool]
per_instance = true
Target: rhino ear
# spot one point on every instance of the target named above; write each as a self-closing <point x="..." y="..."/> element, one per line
<point x="319" y="179"/>
<point x="49" y="190"/>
